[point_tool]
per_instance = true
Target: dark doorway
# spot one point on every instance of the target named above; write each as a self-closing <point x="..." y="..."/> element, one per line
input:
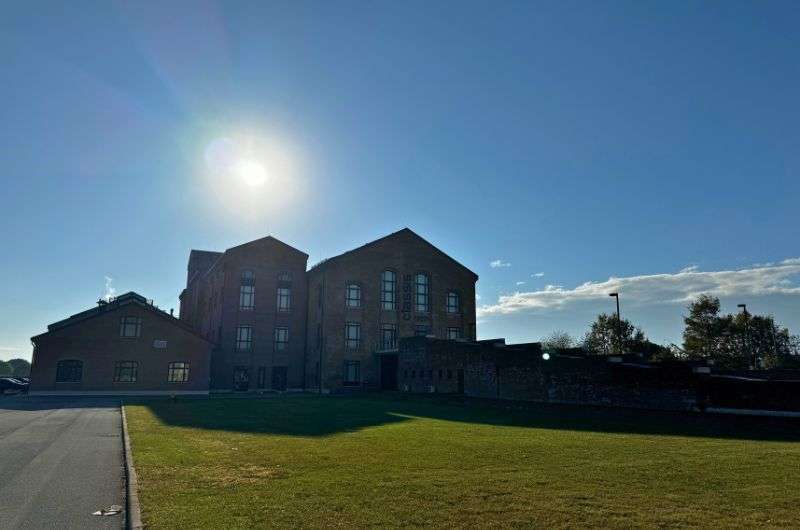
<point x="241" y="379"/>
<point x="262" y="376"/>
<point x="460" y="380"/>
<point x="389" y="372"/>
<point x="279" y="378"/>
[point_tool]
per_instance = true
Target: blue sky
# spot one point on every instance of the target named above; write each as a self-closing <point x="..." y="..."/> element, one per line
<point x="580" y="140"/>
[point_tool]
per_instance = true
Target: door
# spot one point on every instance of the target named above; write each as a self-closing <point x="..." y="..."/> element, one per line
<point x="279" y="378"/>
<point x="241" y="379"/>
<point x="389" y="372"/>
<point x="460" y="381"/>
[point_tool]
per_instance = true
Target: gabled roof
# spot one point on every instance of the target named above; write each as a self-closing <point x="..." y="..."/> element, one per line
<point x="269" y="239"/>
<point x="104" y="306"/>
<point x="403" y="232"/>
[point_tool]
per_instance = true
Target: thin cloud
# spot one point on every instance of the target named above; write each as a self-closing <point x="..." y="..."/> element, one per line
<point x="110" y="291"/>
<point x="499" y="264"/>
<point x="673" y="288"/>
<point x="537" y="275"/>
<point x="690" y="268"/>
<point x="520" y="283"/>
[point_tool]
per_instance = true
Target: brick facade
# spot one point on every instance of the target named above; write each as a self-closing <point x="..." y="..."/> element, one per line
<point x="94" y="338"/>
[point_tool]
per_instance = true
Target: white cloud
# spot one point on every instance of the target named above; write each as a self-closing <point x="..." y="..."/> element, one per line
<point x="690" y="268"/>
<point x="477" y="297"/>
<point x="110" y="291"/>
<point x="520" y="283"/>
<point x="537" y="275"/>
<point x="499" y="264"/>
<point x="681" y="287"/>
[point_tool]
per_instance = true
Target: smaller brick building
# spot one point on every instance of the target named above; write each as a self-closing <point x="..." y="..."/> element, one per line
<point x="123" y="346"/>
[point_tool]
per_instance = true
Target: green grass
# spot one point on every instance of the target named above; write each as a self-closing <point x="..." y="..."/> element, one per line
<point x="308" y="461"/>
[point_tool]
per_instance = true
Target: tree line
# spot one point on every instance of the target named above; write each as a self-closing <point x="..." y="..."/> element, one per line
<point x="15" y="368"/>
<point x="730" y="341"/>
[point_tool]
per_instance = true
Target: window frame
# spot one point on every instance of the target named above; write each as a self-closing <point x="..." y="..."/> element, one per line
<point x="453" y="309"/>
<point x="388" y="326"/>
<point x="426" y="295"/>
<point x="173" y="370"/>
<point x="74" y="363"/>
<point x="287" y="296"/>
<point x="247" y="295"/>
<point x="275" y="342"/>
<point x="349" y="363"/>
<point x="240" y="341"/>
<point x="352" y="344"/>
<point x="349" y="288"/>
<point x="118" y="371"/>
<point x="450" y="329"/>
<point x="125" y="323"/>
<point x="389" y="296"/>
<point x="247" y="277"/>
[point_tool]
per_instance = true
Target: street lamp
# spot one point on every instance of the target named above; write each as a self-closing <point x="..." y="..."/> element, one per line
<point x="619" y="323"/>
<point x="747" y="335"/>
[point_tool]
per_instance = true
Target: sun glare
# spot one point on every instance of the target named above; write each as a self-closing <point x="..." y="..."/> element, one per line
<point x="252" y="172"/>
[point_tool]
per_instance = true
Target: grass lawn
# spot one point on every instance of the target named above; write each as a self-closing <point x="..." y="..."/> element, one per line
<point x="309" y="461"/>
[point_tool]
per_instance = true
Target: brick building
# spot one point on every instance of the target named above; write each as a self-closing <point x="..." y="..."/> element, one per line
<point x="251" y="300"/>
<point x="126" y="346"/>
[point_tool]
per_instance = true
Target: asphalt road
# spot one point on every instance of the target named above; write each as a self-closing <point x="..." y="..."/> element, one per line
<point x="60" y="460"/>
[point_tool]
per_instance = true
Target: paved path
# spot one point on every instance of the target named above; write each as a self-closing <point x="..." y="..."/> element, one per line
<point x="60" y="460"/>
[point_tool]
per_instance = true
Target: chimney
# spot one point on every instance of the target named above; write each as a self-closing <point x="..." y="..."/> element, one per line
<point x="171" y="311"/>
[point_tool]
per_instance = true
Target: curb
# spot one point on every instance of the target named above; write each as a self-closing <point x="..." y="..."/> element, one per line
<point x="133" y="512"/>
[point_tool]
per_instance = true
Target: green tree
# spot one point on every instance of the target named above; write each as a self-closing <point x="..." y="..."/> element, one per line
<point x="5" y="369"/>
<point x="608" y="333"/>
<point x="20" y="367"/>
<point x="558" y="340"/>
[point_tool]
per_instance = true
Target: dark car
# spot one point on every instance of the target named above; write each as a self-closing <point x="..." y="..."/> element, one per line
<point x="12" y="385"/>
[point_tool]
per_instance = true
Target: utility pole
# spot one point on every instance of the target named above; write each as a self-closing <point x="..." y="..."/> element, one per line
<point x="746" y="342"/>
<point x="619" y="324"/>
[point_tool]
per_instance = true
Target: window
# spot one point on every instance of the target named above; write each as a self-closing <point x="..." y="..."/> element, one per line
<point x="388" y="336"/>
<point x="247" y="277"/>
<point x="352" y="373"/>
<point x="284" y="276"/>
<point x="244" y="338"/>
<point x="130" y="326"/>
<point x="284" y="298"/>
<point x="453" y="333"/>
<point x="160" y="344"/>
<point x="421" y="293"/>
<point x="178" y="372"/>
<point x="125" y="371"/>
<point x="353" y="296"/>
<point x="247" y="297"/>
<point x="388" y="289"/>
<point x="453" y="302"/>
<point x="69" y="371"/>
<point x="281" y="338"/>
<point x="421" y="330"/>
<point x="352" y="335"/>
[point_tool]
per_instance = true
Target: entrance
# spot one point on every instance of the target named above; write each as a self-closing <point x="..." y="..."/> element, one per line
<point x="389" y="372"/>
<point x="279" y="378"/>
<point x="241" y="379"/>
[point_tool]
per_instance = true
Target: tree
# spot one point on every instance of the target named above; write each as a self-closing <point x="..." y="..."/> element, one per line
<point x="5" y="369"/>
<point x="607" y="333"/>
<point x="20" y="367"/>
<point x="558" y="340"/>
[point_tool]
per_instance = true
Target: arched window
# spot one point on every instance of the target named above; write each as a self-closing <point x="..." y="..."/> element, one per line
<point x="453" y="302"/>
<point x="421" y="293"/>
<point x="248" y="277"/>
<point x="69" y="371"/>
<point x="353" y="296"/>
<point x="388" y="290"/>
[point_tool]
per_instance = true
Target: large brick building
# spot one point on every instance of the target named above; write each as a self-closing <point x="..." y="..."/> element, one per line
<point x="123" y="346"/>
<point x="273" y="324"/>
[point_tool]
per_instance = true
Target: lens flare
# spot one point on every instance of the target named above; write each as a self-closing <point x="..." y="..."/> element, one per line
<point x="252" y="172"/>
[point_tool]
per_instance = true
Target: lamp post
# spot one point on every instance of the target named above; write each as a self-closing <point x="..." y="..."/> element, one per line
<point x="746" y="343"/>
<point x="619" y="324"/>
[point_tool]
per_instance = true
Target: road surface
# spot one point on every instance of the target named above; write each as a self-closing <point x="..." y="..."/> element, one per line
<point x="60" y="460"/>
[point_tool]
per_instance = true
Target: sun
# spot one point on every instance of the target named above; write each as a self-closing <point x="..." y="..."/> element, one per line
<point x="252" y="172"/>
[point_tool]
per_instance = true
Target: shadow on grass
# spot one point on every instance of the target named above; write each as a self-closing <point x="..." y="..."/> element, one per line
<point x="308" y="415"/>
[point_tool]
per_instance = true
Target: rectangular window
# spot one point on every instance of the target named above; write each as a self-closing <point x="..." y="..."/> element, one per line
<point x="248" y="277"/>
<point x="244" y="338"/>
<point x="353" y="296"/>
<point x="160" y="344"/>
<point x="453" y="333"/>
<point x="69" y="371"/>
<point x="247" y="297"/>
<point x="125" y="371"/>
<point x="352" y="335"/>
<point x="178" y="372"/>
<point x="130" y="326"/>
<point x="388" y="290"/>
<point x="453" y="302"/>
<point x="421" y="293"/>
<point x="421" y="330"/>
<point x="388" y="336"/>
<point x="281" y="338"/>
<point x="284" y="299"/>
<point x="285" y="276"/>
<point x="352" y="373"/>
